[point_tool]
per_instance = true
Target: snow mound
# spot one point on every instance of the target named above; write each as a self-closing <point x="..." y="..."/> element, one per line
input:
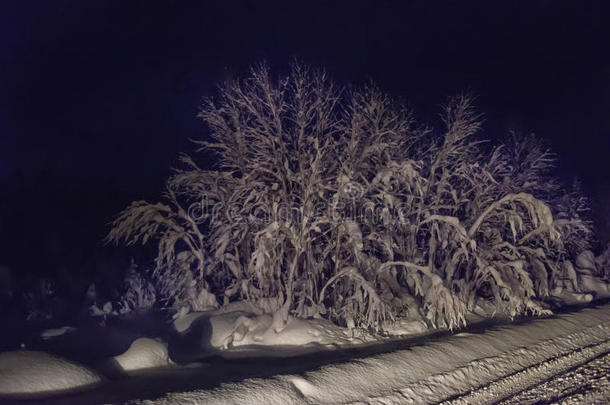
<point x="52" y="333"/>
<point x="405" y="327"/>
<point x="144" y="353"/>
<point x="585" y="284"/>
<point x="586" y="262"/>
<point x="571" y="297"/>
<point x="239" y="328"/>
<point x="183" y="323"/>
<point x="257" y="330"/>
<point x="184" y="320"/>
<point x="596" y="285"/>
<point x="27" y="373"/>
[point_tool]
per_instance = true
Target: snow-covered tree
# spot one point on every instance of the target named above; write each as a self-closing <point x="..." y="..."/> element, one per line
<point x="336" y="203"/>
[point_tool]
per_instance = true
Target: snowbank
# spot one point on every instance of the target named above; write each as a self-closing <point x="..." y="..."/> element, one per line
<point x="27" y="373"/>
<point x="595" y="285"/>
<point x="585" y="262"/>
<point x="426" y="373"/>
<point x="405" y="327"/>
<point x="257" y="330"/>
<point x="184" y="322"/>
<point x="582" y="282"/>
<point x="238" y="329"/>
<point x="144" y="353"/>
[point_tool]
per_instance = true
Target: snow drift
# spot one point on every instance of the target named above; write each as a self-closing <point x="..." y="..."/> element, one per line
<point x="27" y="373"/>
<point x="144" y="353"/>
<point x="237" y="329"/>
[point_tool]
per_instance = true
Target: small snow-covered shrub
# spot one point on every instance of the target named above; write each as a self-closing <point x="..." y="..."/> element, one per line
<point x="106" y="310"/>
<point x="180" y="288"/>
<point x="38" y="299"/>
<point x="139" y="293"/>
<point x="337" y="204"/>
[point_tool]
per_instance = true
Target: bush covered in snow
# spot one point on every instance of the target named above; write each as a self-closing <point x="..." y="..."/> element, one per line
<point x="39" y="298"/>
<point x="139" y="293"/>
<point x="336" y="203"/>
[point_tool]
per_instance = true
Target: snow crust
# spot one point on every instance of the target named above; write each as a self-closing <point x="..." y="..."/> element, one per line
<point x="24" y="373"/>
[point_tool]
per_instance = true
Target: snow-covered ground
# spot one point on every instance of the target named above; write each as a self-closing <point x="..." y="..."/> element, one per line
<point x="143" y="354"/>
<point x="587" y="384"/>
<point x="239" y="329"/>
<point x="25" y="374"/>
<point x="464" y="368"/>
<point x="232" y="355"/>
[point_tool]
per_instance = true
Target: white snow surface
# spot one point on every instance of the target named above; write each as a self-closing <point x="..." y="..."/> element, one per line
<point x="239" y="328"/>
<point x="55" y="332"/>
<point x="405" y="327"/>
<point x="588" y="384"/>
<point x="257" y="330"/>
<point x="144" y="353"/>
<point x="184" y="322"/>
<point x="25" y="373"/>
<point x="581" y="283"/>
<point x="596" y="285"/>
<point x="586" y="261"/>
<point x="426" y="373"/>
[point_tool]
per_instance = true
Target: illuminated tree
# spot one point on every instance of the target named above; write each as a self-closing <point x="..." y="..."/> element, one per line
<point x="336" y="203"/>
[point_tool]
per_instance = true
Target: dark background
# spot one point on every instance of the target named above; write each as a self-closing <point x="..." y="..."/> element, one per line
<point x="97" y="98"/>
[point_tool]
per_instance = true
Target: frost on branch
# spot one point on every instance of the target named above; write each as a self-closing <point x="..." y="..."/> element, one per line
<point x="334" y="203"/>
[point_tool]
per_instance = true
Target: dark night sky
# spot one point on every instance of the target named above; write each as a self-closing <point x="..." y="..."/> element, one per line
<point x="97" y="98"/>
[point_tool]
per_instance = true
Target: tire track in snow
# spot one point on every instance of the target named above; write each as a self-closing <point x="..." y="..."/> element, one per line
<point x="525" y="380"/>
<point x="491" y="379"/>
<point x="585" y="384"/>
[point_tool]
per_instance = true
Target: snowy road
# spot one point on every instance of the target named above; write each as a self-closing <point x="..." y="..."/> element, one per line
<point x="587" y="384"/>
<point x="464" y="368"/>
<point x="555" y="380"/>
<point x="487" y="364"/>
